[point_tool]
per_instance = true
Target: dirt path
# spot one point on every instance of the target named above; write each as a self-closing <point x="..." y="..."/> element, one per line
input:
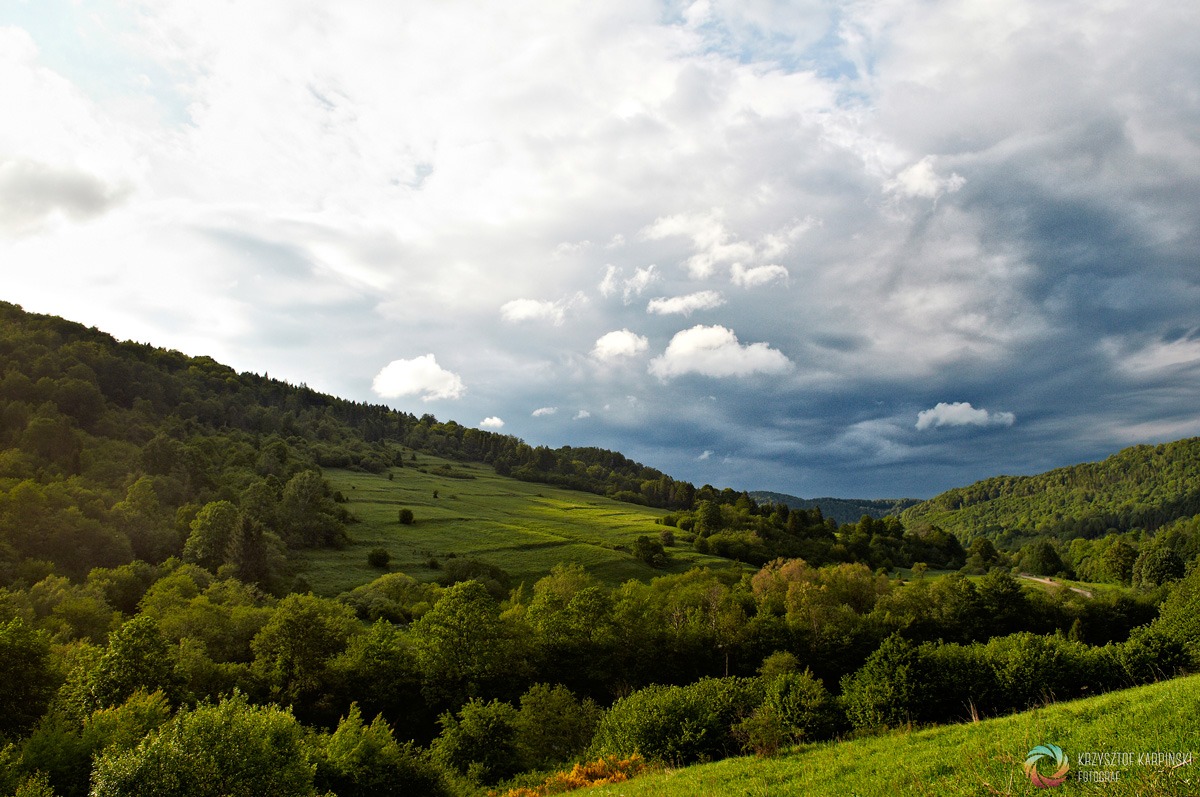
<point x="1087" y="593"/>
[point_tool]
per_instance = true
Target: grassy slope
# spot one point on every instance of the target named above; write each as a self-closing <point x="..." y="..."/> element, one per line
<point x="522" y="527"/>
<point x="972" y="759"/>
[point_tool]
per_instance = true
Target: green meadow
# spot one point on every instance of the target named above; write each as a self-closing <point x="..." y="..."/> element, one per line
<point x="982" y="758"/>
<point x="521" y="527"/>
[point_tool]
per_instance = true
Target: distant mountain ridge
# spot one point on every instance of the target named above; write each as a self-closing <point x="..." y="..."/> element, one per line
<point x="1139" y="487"/>
<point x="843" y="510"/>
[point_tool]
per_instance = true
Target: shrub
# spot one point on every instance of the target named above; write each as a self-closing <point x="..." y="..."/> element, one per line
<point x="360" y="760"/>
<point x="804" y="706"/>
<point x="553" y="725"/>
<point x="406" y="516"/>
<point x="379" y="557"/>
<point x="480" y="742"/>
<point x="232" y="749"/>
<point x="679" y="724"/>
<point x="884" y="692"/>
<point x="595" y="773"/>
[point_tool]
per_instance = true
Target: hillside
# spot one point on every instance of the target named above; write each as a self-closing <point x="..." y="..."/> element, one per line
<point x="466" y="511"/>
<point x="1139" y="487"/>
<point x="114" y="451"/>
<point x="841" y="510"/>
<point x="970" y="759"/>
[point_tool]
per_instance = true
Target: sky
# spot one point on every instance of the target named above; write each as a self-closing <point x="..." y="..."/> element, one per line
<point x="871" y="248"/>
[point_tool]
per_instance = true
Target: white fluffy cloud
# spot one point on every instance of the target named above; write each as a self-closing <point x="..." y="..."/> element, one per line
<point x="491" y="422"/>
<point x="920" y="180"/>
<point x="630" y="287"/>
<point x="420" y="376"/>
<point x="619" y="345"/>
<point x="757" y="275"/>
<point x="961" y="413"/>
<point x="541" y="412"/>
<point x="685" y="305"/>
<point x="519" y="310"/>
<point x="715" y="351"/>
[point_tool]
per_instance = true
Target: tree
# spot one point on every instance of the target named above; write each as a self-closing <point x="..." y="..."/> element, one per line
<point x="293" y="651"/>
<point x="1118" y="561"/>
<point x="307" y="513"/>
<point x="406" y="517"/>
<point x="885" y="691"/>
<point x="253" y="554"/>
<point x="1157" y="565"/>
<point x="212" y="531"/>
<point x="232" y="749"/>
<point x="1042" y="558"/>
<point x="553" y="725"/>
<point x="480" y="741"/>
<point x="137" y="657"/>
<point x="360" y="760"/>
<point x="379" y="558"/>
<point x="462" y="646"/>
<point x="27" y="681"/>
<point x="650" y="551"/>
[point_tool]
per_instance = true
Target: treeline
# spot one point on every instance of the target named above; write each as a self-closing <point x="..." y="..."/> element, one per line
<point x="122" y="683"/>
<point x="843" y="510"/>
<point x="730" y="524"/>
<point x="1143" y="487"/>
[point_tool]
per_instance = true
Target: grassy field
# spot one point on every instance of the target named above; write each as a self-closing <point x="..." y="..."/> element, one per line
<point x="521" y="527"/>
<point x="982" y="758"/>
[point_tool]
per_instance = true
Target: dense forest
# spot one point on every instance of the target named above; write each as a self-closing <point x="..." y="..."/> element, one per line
<point x="1143" y="487"/>
<point x="155" y="638"/>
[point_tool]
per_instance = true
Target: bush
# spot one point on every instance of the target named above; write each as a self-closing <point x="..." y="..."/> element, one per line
<point x="884" y="692"/>
<point x="803" y="705"/>
<point x="480" y="742"/>
<point x="553" y="725"/>
<point x="600" y="772"/>
<point x="232" y="749"/>
<point x="649" y="551"/>
<point x="360" y="760"/>
<point x="379" y="557"/>
<point x="679" y="724"/>
<point x="406" y="516"/>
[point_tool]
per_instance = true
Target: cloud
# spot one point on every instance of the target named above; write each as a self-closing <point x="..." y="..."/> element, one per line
<point x="704" y="455"/>
<point x="758" y="275"/>
<point x="920" y="180"/>
<point x="419" y="376"/>
<point x="491" y="422"/>
<point x="715" y="351"/>
<point x="685" y="305"/>
<point x="582" y="414"/>
<point x="961" y="413"/>
<point x="544" y="411"/>
<point x="519" y="310"/>
<point x="628" y="288"/>
<point x="30" y="192"/>
<point x="620" y="344"/>
<point x="987" y="200"/>
<point x="712" y="242"/>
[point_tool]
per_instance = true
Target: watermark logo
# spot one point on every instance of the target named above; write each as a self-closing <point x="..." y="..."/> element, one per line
<point x="1047" y="756"/>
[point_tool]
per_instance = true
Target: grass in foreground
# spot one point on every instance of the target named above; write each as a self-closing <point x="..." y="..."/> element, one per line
<point x="522" y="527"/>
<point x="982" y="758"/>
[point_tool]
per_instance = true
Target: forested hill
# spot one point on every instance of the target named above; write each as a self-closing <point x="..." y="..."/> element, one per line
<point x="82" y="381"/>
<point x="841" y="510"/>
<point x="111" y="451"/>
<point x="1140" y="487"/>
